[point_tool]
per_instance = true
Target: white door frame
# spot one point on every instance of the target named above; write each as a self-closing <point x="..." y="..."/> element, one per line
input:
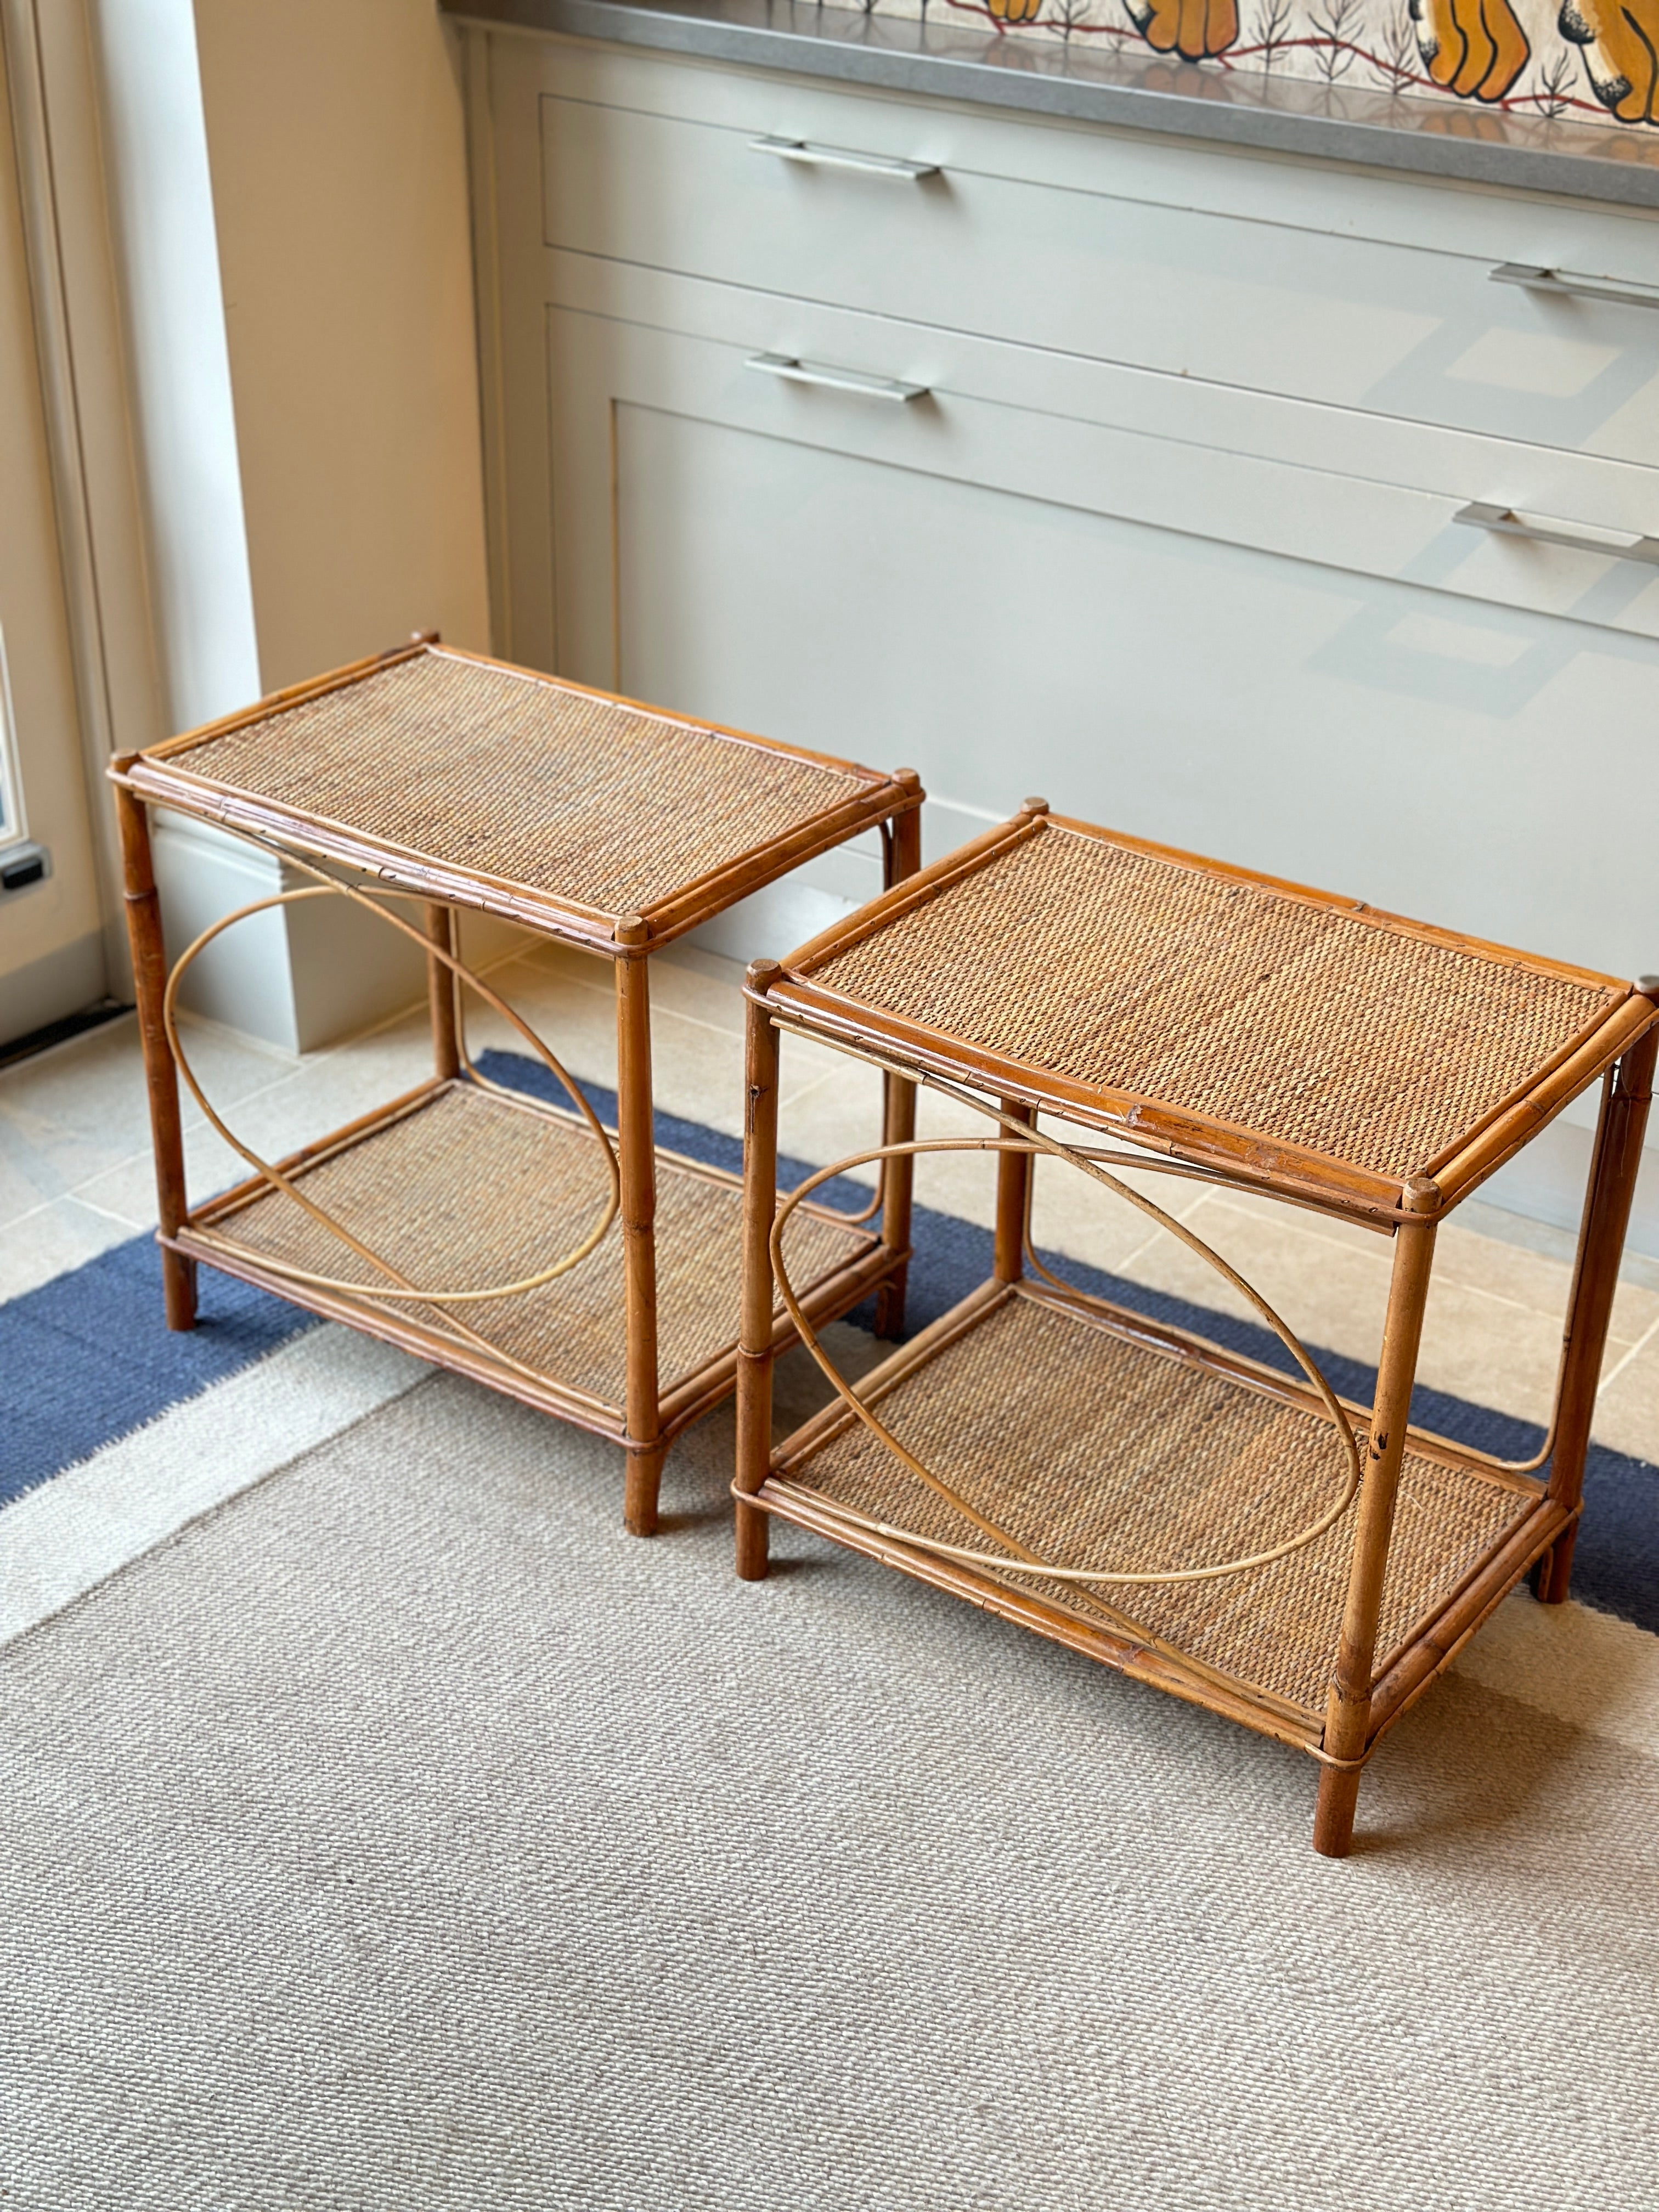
<point x="82" y="351"/>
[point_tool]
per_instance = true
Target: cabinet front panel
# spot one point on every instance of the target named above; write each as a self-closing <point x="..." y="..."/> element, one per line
<point x="1242" y="466"/>
<point x="797" y="573"/>
<point x="1383" y="327"/>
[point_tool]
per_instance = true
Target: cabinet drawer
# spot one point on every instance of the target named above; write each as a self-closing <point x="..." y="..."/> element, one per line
<point x="1282" y="476"/>
<point x="958" y="584"/>
<point x="1112" y="267"/>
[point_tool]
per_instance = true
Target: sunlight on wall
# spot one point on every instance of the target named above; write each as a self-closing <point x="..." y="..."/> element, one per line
<point x="156" y="146"/>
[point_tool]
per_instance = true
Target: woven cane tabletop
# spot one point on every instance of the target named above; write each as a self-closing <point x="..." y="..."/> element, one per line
<point x="469" y="1189"/>
<point x="1244" y="1020"/>
<point x="1097" y="1451"/>
<point x="439" y="770"/>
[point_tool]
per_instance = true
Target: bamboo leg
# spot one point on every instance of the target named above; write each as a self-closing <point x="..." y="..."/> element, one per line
<point x="149" y="970"/>
<point x="1614" y="1164"/>
<point x="441" y="989"/>
<point x="637" y="1159"/>
<point x="903" y="857"/>
<point x="1348" y="1713"/>
<point x="760" y="1198"/>
<point x="1014" y="1190"/>
<point x="897" y="1179"/>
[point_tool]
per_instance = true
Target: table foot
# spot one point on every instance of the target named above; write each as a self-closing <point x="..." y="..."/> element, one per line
<point x="1554" y="1578"/>
<point x="889" y="1306"/>
<point x="1339" y="1796"/>
<point x="644" y="1478"/>
<point x="753" y="1534"/>
<point x="178" y="1290"/>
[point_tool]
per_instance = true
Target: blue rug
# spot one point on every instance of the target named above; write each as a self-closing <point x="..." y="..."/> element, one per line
<point x="87" y="1358"/>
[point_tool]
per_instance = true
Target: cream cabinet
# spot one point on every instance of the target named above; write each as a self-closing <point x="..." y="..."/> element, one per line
<point x="1383" y="296"/>
<point x="1050" y="458"/>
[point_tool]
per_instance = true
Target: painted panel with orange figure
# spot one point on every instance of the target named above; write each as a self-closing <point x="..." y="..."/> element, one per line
<point x="1596" y="60"/>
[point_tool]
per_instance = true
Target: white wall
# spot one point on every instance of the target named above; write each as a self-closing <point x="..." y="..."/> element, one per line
<point x="290" y="197"/>
<point x="202" y="592"/>
<point x="336" y="134"/>
<point x="337" y="141"/>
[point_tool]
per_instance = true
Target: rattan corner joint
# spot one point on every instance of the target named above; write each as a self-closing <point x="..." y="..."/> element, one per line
<point x="520" y="1244"/>
<point x="1193" y="1518"/>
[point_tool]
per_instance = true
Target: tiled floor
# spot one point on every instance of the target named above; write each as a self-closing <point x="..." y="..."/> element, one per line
<point x="75" y="1178"/>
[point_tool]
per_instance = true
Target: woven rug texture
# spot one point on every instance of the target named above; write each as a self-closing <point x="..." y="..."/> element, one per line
<point x="401" y="1835"/>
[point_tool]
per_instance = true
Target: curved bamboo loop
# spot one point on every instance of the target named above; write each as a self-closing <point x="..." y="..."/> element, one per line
<point x="1151" y="1163"/>
<point x="856" y="1220"/>
<point x="405" y="1292"/>
<point x="1530" y="1466"/>
<point x="1085" y="1297"/>
<point x="1033" y="1141"/>
<point x="1168" y="1167"/>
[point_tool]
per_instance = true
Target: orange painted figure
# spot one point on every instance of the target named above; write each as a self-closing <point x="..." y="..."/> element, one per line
<point x="1474" y="48"/>
<point x="1620" y="39"/>
<point x="1197" y="30"/>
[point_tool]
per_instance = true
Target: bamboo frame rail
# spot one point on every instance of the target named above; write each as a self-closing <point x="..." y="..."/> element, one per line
<point x="1129" y="1489"/>
<point x="149" y="971"/>
<point x="610" y="1300"/>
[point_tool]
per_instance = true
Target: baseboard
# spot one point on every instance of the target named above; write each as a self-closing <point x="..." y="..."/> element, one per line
<point x="57" y="984"/>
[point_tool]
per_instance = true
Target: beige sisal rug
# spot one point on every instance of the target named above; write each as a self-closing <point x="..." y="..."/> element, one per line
<point x="402" y="1836"/>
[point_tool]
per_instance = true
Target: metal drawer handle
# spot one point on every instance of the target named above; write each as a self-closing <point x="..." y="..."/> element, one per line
<point x="842" y="157"/>
<point x="1507" y="524"/>
<point x="1571" y="288"/>
<point x="834" y="379"/>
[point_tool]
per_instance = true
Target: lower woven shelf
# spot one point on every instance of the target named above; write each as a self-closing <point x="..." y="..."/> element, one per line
<point x="461" y="1188"/>
<point x="1095" y="1439"/>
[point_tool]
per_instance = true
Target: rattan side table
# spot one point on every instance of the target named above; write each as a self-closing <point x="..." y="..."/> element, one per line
<point x="516" y="1242"/>
<point x="1248" y="1542"/>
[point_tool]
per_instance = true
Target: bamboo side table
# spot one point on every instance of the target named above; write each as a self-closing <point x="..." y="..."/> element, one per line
<point x="513" y="1241"/>
<point x="1249" y="1543"/>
